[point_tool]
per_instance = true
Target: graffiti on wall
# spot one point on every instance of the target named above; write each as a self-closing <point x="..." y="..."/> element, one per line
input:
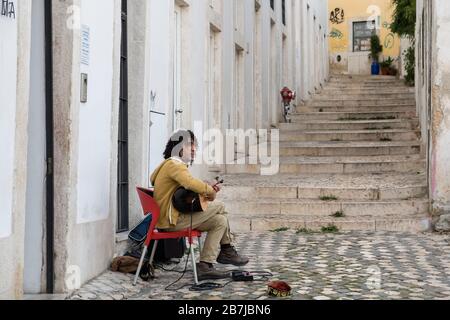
<point x="386" y="25"/>
<point x="375" y="13"/>
<point x="336" y="34"/>
<point x="337" y="16"/>
<point x="7" y="9"/>
<point x="389" y="41"/>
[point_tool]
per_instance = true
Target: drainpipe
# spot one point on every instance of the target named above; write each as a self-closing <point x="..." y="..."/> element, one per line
<point x="431" y="33"/>
<point x="50" y="272"/>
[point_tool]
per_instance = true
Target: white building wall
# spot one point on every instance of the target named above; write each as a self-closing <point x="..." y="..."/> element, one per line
<point x="93" y="230"/>
<point x="312" y="47"/>
<point x="94" y="146"/>
<point x="433" y="101"/>
<point x="139" y="105"/>
<point x="14" y="94"/>
<point x="85" y="140"/>
<point x="8" y="82"/>
<point x="249" y="33"/>
<point x="440" y="110"/>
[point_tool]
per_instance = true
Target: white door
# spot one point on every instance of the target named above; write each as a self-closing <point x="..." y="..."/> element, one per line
<point x="211" y="87"/>
<point x="176" y="96"/>
<point x="35" y="197"/>
<point x="166" y="111"/>
<point x="158" y="137"/>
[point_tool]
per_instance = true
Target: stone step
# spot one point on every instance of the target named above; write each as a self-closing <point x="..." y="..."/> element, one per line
<point x="277" y="193"/>
<point x="350" y="91"/>
<point x="351" y="116"/>
<point x="337" y="89"/>
<point x="367" y="108"/>
<point x="370" y="180"/>
<point x="376" y="85"/>
<point x="365" y="81"/>
<point x="384" y="81"/>
<point x="383" y="84"/>
<point x="362" y="148"/>
<point x="355" y="135"/>
<point x="315" y="208"/>
<point x="243" y="223"/>
<point x="360" y="103"/>
<point x="363" y="96"/>
<point x="363" y="78"/>
<point x="356" y="92"/>
<point x="412" y="124"/>
<point x="336" y="165"/>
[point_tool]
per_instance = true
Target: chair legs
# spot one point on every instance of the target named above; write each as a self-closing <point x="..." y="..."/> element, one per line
<point x="152" y="256"/>
<point x="200" y="244"/>
<point x="194" y="265"/>
<point x="141" y="262"/>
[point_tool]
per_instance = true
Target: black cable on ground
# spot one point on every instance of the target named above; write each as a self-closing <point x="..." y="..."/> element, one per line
<point x="187" y="259"/>
<point x="206" y="286"/>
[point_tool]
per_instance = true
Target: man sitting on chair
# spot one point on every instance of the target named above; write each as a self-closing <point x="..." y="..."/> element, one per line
<point x="172" y="174"/>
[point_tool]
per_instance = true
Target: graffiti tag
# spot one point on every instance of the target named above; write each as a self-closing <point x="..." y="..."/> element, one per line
<point x="389" y="41"/>
<point x="7" y="9"/>
<point x="337" y="16"/>
<point x="386" y="25"/>
<point x="375" y="13"/>
<point x="336" y="34"/>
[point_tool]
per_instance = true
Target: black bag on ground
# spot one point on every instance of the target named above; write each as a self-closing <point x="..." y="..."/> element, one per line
<point x="167" y="249"/>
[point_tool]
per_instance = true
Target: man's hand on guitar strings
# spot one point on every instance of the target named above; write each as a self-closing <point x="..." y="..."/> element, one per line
<point x="216" y="186"/>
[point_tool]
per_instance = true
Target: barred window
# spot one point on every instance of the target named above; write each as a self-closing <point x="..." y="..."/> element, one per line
<point x="362" y="32"/>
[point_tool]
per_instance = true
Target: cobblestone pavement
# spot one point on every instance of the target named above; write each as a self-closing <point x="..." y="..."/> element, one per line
<point x="353" y="265"/>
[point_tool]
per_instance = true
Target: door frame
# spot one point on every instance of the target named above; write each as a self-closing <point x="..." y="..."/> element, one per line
<point x="50" y="215"/>
<point x="177" y="108"/>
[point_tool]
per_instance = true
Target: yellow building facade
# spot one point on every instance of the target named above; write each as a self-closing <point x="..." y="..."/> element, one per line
<point x="351" y="24"/>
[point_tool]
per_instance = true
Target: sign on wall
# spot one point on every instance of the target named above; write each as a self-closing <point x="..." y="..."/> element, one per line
<point x="8" y="78"/>
<point x="8" y="9"/>
<point x="85" y="44"/>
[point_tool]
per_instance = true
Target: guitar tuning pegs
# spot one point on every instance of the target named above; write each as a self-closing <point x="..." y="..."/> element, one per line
<point x="219" y="180"/>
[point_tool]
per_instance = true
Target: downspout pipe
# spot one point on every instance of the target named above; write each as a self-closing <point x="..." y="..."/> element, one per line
<point x="50" y="217"/>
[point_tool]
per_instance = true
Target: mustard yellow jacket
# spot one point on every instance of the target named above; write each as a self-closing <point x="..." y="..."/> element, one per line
<point x="167" y="178"/>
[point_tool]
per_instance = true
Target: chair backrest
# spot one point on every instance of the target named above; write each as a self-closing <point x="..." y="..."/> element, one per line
<point x="149" y="205"/>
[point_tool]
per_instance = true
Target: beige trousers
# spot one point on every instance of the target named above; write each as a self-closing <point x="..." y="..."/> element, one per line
<point x="214" y="221"/>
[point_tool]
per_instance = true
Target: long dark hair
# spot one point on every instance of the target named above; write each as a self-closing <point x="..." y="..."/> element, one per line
<point x="174" y="147"/>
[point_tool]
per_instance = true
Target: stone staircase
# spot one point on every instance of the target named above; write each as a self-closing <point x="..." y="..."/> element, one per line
<point x="351" y="158"/>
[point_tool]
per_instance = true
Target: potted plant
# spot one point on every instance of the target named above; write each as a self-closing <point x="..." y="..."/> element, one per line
<point x="375" y="49"/>
<point x="393" y="71"/>
<point x="386" y="67"/>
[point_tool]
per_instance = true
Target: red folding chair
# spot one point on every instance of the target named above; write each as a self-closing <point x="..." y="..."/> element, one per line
<point x="150" y="206"/>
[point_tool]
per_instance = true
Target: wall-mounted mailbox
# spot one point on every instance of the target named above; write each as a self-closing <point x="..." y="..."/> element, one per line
<point x="84" y="87"/>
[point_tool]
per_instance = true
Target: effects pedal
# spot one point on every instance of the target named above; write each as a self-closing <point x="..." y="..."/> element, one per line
<point x="241" y="276"/>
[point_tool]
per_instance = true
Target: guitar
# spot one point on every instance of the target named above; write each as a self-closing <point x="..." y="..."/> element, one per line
<point x="187" y="201"/>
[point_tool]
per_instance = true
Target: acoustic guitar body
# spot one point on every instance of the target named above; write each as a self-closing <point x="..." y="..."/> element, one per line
<point x="187" y="201"/>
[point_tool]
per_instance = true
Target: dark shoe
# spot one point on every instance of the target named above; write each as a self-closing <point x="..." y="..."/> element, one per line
<point x="230" y="256"/>
<point x="208" y="272"/>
